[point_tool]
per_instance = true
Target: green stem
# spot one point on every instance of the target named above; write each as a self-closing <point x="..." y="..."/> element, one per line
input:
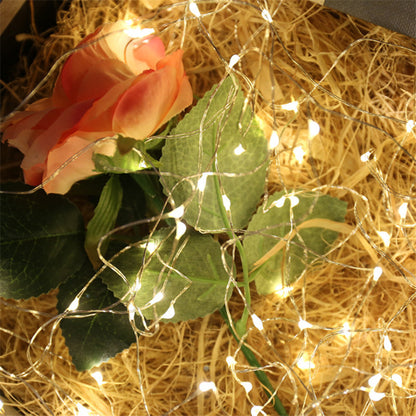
<point x="260" y="374"/>
<point x="241" y="325"/>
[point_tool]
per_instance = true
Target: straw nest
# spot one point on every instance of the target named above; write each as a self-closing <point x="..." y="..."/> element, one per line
<point x="358" y="82"/>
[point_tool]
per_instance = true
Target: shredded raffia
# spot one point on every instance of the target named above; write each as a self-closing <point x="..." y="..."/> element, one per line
<point x="348" y="318"/>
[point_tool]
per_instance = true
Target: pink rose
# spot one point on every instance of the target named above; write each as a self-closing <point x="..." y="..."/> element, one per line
<point x="115" y="84"/>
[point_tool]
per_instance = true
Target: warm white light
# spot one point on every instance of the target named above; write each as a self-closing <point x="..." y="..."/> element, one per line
<point x="226" y="202"/>
<point x="170" y="313"/>
<point x="233" y="60"/>
<point x="132" y="311"/>
<point x="231" y="361"/>
<point x="299" y="153"/>
<point x="304" y="324"/>
<point x="138" y="32"/>
<point x="82" y="411"/>
<point x="385" y="237"/>
<point x="305" y="364"/>
<point x="207" y="385"/>
<point x="1" y="404"/>
<point x="280" y="202"/>
<point x="403" y="210"/>
<point x="137" y="285"/>
<point x="365" y="157"/>
<point x="387" y="343"/>
<point x="313" y="128"/>
<point x="292" y="106"/>
<point x="266" y="16"/>
<point x="397" y="379"/>
<point x="150" y="246"/>
<point x="98" y="377"/>
<point x="274" y="140"/>
<point x="294" y="200"/>
<point x="202" y="182"/>
<point x="180" y="229"/>
<point x="375" y="397"/>
<point x="257" y="410"/>
<point x="283" y="291"/>
<point x="409" y="125"/>
<point x="74" y="305"/>
<point x="177" y="212"/>
<point x="193" y="8"/>
<point x="374" y="380"/>
<point x="346" y="329"/>
<point x="157" y="298"/>
<point x="239" y="150"/>
<point x="247" y="386"/>
<point x="257" y="322"/>
<point x="377" y="272"/>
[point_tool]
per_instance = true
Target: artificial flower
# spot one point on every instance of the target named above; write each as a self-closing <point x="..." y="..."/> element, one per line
<point x="114" y="83"/>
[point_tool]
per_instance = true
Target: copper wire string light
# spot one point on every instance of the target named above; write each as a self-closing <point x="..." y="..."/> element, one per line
<point x="336" y="98"/>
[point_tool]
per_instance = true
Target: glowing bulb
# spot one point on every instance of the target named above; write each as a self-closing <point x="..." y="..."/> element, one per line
<point x="403" y="210"/>
<point x="180" y="229"/>
<point x="294" y="200"/>
<point x="257" y="410"/>
<point x="280" y="202"/>
<point x="304" y="324"/>
<point x="247" y="386"/>
<point x="137" y="285"/>
<point x="138" y="32"/>
<point x="346" y="329"/>
<point x="82" y="411"/>
<point x="150" y="246"/>
<point x="387" y="343"/>
<point x="409" y="125"/>
<point x="74" y="305"/>
<point x="397" y="379"/>
<point x="177" y="212"/>
<point x="98" y="377"/>
<point x="170" y="313"/>
<point x="239" y="150"/>
<point x="226" y="202"/>
<point x="377" y="272"/>
<point x="231" y="361"/>
<point x="365" y="157"/>
<point x="305" y="364"/>
<point x="233" y="60"/>
<point x="1" y="404"/>
<point x="265" y="14"/>
<point x="207" y="385"/>
<point x="274" y="140"/>
<point x="283" y="291"/>
<point x="313" y="128"/>
<point x="193" y="8"/>
<point x="292" y="106"/>
<point x="385" y="237"/>
<point x="299" y="153"/>
<point x="375" y="397"/>
<point x="132" y="311"/>
<point x="257" y="322"/>
<point x="374" y="380"/>
<point x="157" y="298"/>
<point x="202" y="182"/>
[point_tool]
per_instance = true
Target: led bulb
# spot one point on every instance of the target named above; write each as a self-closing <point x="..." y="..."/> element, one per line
<point x="265" y="14"/>
<point x="207" y="385"/>
<point x="387" y="343"/>
<point x="239" y="150"/>
<point x="170" y="313"/>
<point x="180" y="230"/>
<point x="375" y="397"/>
<point x="292" y="106"/>
<point x="231" y="361"/>
<point x="177" y="212"/>
<point x="202" y="182"/>
<point x="74" y="305"/>
<point x="257" y="322"/>
<point x="403" y="210"/>
<point x="247" y="386"/>
<point x="397" y="379"/>
<point x="299" y="153"/>
<point x="409" y="125"/>
<point x="157" y="298"/>
<point x="313" y="128"/>
<point x="226" y="202"/>
<point x="97" y="375"/>
<point x="193" y="8"/>
<point x="233" y="60"/>
<point x="274" y="140"/>
<point x="374" y="380"/>
<point x="377" y="272"/>
<point x="304" y="324"/>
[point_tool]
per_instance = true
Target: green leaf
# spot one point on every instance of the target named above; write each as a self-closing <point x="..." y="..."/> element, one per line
<point x="189" y="272"/>
<point x="280" y="257"/>
<point x="104" y="219"/>
<point x="93" y="338"/>
<point x="130" y="156"/>
<point x="219" y="140"/>
<point x="41" y="242"/>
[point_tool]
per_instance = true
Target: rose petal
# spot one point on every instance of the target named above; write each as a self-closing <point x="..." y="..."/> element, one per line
<point x="80" y="168"/>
